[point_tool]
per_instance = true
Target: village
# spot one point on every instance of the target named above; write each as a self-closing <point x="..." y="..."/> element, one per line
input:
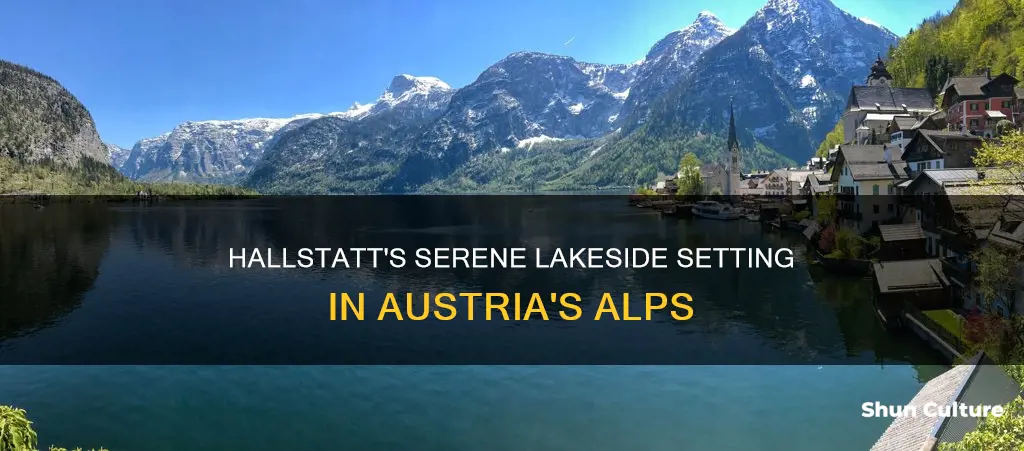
<point x="918" y="198"/>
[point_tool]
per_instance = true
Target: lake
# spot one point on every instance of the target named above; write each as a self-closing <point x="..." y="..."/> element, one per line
<point x="125" y="326"/>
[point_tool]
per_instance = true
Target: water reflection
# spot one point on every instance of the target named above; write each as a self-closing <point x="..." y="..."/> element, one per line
<point x="767" y="313"/>
<point x="49" y="258"/>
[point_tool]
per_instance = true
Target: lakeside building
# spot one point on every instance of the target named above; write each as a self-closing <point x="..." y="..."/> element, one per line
<point x="942" y="206"/>
<point x="815" y="185"/>
<point x="666" y="184"/>
<point x="977" y="382"/>
<point x="902" y="129"/>
<point x="935" y="149"/>
<point x="865" y="179"/>
<point x="777" y="183"/>
<point x="976" y="103"/>
<point x="871" y="107"/>
<point x="901" y="242"/>
<point x="963" y="211"/>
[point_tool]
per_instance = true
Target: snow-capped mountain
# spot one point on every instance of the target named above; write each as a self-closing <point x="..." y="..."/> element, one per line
<point x="215" y="149"/>
<point x="667" y="61"/>
<point x="224" y="150"/>
<point x="414" y="98"/>
<point x="789" y="70"/>
<point x="117" y="154"/>
<point x="528" y="95"/>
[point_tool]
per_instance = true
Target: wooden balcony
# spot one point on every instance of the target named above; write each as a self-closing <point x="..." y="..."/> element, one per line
<point x="957" y="270"/>
<point x="959" y="242"/>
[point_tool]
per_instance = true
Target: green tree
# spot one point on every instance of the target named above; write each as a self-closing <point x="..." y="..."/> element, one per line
<point x="1003" y="127"/>
<point x="689" y="181"/>
<point x="16" y="432"/>
<point x="832" y="139"/>
<point x="827" y="208"/>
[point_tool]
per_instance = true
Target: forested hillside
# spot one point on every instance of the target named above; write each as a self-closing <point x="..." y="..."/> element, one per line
<point x="40" y="120"/>
<point x="976" y="34"/>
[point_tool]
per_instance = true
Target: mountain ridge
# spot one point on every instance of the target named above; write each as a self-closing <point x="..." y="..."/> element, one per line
<point x="780" y="62"/>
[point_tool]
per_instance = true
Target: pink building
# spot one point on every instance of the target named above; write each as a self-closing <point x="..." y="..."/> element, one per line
<point x="977" y="103"/>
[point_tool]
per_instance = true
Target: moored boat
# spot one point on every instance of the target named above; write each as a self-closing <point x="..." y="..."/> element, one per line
<point x="715" y="210"/>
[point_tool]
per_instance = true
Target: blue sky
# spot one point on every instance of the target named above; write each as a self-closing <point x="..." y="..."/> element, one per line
<point x="141" y="67"/>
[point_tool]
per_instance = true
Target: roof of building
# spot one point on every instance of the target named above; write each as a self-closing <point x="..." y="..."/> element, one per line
<point x="973" y="85"/>
<point x="904" y="122"/>
<point x="897" y="170"/>
<point x="969" y="85"/>
<point x="901" y="232"/>
<point x="853" y="153"/>
<point x="909" y="275"/>
<point x="978" y="382"/>
<point x="910" y="432"/>
<point x="887" y="98"/>
<point x="811" y="229"/>
<point x="988" y="385"/>
<point x="950" y="135"/>
<point x="936" y="119"/>
<point x="938" y="140"/>
<point x="951" y="177"/>
<point x="799" y="176"/>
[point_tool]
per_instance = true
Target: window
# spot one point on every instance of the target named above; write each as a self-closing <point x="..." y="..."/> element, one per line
<point x="938" y="164"/>
<point x="1006" y="104"/>
<point x="875" y="208"/>
<point x="890" y="208"/>
<point x="974" y="106"/>
<point x="874" y="190"/>
<point x="974" y="122"/>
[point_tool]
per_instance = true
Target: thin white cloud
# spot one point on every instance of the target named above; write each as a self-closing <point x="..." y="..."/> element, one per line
<point x="570" y="40"/>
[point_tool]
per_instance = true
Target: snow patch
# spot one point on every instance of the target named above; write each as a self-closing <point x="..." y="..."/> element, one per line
<point x="576" y="108"/>
<point x="808" y="81"/>
<point x="529" y="142"/>
<point x="870" y="22"/>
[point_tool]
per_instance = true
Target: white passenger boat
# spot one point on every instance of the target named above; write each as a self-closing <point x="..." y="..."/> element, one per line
<point x="715" y="210"/>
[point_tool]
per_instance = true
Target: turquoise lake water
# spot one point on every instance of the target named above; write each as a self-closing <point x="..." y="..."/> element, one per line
<point x="459" y="407"/>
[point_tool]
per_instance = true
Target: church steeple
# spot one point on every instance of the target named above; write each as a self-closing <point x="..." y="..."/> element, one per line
<point x="733" y="174"/>
<point x="732" y="128"/>
<point x="880" y="76"/>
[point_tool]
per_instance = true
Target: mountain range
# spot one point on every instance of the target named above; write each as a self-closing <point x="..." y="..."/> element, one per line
<point x="535" y="120"/>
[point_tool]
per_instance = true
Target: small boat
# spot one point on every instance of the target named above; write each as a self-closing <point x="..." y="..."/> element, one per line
<point x="753" y="217"/>
<point x="714" y="210"/>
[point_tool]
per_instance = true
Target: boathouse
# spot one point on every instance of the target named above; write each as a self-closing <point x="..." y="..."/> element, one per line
<point x="919" y="284"/>
<point x="901" y="242"/>
<point x="978" y="382"/>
